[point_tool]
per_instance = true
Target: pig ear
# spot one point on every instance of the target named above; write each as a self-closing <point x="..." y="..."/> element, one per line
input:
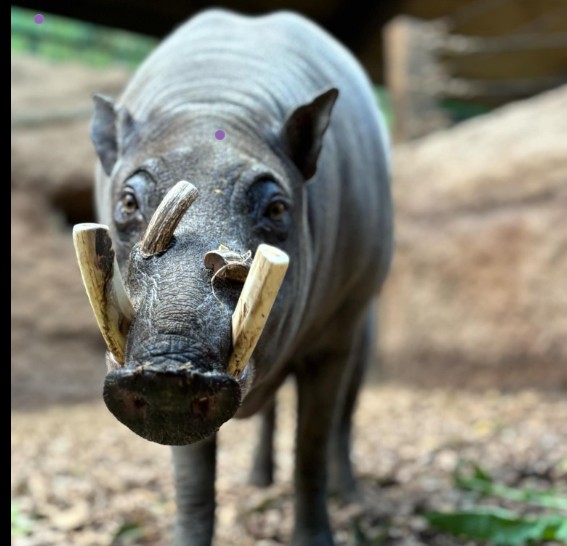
<point x="304" y="129"/>
<point x="103" y="131"/>
<point x="110" y="127"/>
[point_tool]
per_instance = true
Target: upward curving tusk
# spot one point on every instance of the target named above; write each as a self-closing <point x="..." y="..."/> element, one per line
<point x="255" y="303"/>
<point x="103" y="283"/>
<point x="166" y="218"/>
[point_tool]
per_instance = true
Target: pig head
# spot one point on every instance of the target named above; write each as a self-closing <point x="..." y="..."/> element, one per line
<point x="247" y="189"/>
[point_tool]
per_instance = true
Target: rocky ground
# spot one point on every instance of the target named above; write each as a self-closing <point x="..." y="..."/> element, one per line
<point x="82" y="479"/>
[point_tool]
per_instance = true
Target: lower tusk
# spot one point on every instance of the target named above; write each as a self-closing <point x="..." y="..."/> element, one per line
<point x="103" y="283"/>
<point x="255" y="303"/>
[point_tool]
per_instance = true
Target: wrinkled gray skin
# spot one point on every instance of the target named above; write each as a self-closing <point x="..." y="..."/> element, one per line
<point x="269" y="82"/>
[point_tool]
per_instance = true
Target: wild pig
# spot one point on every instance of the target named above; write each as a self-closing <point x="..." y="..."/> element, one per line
<point x="275" y="127"/>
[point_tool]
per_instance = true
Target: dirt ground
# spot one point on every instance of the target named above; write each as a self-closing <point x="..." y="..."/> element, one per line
<point x="82" y="479"/>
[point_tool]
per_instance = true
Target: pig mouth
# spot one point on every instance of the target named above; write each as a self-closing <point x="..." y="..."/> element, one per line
<point x="171" y="405"/>
<point x="168" y="403"/>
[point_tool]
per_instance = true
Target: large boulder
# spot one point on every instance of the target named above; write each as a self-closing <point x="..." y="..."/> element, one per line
<point x="478" y="291"/>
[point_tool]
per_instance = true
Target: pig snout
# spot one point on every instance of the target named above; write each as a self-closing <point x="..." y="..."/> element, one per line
<point x="171" y="406"/>
<point x="178" y="379"/>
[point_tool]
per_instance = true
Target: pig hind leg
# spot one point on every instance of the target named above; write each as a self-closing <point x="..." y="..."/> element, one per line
<point x="341" y="477"/>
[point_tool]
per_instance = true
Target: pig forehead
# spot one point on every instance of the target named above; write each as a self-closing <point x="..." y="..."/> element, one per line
<point x="211" y="152"/>
<point x="212" y="160"/>
<point x="231" y="126"/>
<point x="190" y="155"/>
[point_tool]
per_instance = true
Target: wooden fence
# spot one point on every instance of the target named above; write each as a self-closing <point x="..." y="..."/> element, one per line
<point x="427" y="67"/>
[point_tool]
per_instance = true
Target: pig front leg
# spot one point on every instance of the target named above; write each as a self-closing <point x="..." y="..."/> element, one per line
<point x="262" y="474"/>
<point x="194" y="470"/>
<point x="317" y="388"/>
<point x="322" y="388"/>
<point x="341" y="476"/>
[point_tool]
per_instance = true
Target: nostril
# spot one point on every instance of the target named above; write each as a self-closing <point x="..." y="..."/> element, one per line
<point x="132" y="404"/>
<point x="202" y="407"/>
<point x="139" y="403"/>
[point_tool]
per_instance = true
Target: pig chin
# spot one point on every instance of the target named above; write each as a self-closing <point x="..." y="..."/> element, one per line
<point x="171" y="403"/>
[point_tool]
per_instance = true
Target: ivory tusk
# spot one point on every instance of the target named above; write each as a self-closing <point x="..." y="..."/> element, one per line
<point x="103" y="283"/>
<point x="166" y="218"/>
<point x="255" y="303"/>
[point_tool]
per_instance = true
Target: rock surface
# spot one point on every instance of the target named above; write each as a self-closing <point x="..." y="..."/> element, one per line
<point x="477" y="294"/>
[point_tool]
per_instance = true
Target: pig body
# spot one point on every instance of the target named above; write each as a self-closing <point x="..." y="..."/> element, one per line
<point x="297" y="168"/>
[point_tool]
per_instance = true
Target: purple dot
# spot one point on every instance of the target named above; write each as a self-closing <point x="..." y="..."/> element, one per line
<point x="38" y="19"/>
<point x="219" y="135"/>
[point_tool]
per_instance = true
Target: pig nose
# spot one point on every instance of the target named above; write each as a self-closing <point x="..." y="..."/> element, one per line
<point x="171" y="406"/>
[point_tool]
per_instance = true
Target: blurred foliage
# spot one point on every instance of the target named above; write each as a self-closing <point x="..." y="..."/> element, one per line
<point x="501" y="527"/>
<point x="385" y="105"/>
<point x="497" y="525"/>
<point x="460" y="110"/>
<point x="63" y="39"/>
<point x="477" y="480"/>
<point x="128" y="533"/>
<point x="20" y="524"/>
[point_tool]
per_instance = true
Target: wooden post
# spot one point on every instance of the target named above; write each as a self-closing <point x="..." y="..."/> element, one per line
<point x="412" y="76"/>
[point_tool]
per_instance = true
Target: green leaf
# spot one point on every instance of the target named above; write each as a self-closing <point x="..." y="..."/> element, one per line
<point x="482" y="483"/>
<point x="129" y="531"/>
<point x="481" y="474"/>
<point x="385" y="103"/>
<point x="20" y="524"/>
<point x="561" y="534"/>
<point x="498" y="526"/>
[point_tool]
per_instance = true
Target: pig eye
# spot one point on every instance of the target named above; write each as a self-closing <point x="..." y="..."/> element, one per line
<point x="276" y="211"/>
<point x="128" y="202"/>
<point x="269" y="207"/>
